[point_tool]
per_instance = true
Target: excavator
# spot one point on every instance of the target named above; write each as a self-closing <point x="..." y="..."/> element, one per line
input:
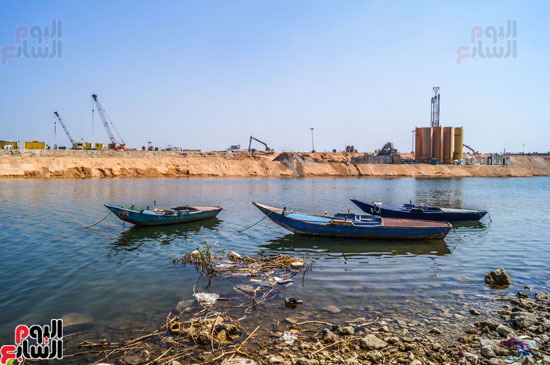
<point x="387" y="150"/>
<point x="257" y="140"/>
<point x="75" y="145"/>
<point x="474" y="152"/>
<point x="115" y="144"/>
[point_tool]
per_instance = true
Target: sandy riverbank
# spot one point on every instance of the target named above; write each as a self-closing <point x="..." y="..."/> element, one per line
<point x="85" y="164"/>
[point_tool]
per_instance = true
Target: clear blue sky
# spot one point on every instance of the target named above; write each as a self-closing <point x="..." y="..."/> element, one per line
<point x="208" y="74"/>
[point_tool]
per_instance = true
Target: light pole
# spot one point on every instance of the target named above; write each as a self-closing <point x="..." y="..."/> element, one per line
<point x="523" y="149"/>
<point x="312" y="144"/>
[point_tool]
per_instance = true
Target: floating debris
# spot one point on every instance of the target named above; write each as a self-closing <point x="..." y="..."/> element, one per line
<point x="245" y="288"/>
<point x="278" y="280"/>
<point x="297" y="264"/>
<point x="269" y="270"/>
<point x="211" y="331"/>
<point x="289" y="337"/>
<point x="291" y="302"/>
<point x="206" y="299"/>
<point x="234" y="256"/>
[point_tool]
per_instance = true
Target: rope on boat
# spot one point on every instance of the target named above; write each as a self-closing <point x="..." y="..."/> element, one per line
<point x="244" y="229"/>
<point x="99" y="220"/>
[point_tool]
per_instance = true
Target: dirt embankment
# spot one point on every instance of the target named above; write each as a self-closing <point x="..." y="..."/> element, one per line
<point x="50" y="163"/>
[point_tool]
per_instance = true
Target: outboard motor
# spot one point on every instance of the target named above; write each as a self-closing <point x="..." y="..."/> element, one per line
<point x="377" y="209"/>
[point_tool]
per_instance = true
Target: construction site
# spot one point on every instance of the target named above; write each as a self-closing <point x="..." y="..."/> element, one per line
<point x="438" y="151"/>
<point x="437" y="144"/>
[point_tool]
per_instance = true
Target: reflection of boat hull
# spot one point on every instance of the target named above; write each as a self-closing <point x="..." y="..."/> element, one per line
<point x="314" y="225"/>
<point x="409" y="211"/>
<point x="329" y="245"/>
<point x="135" y="236"/>
<point x="150" y="218"/>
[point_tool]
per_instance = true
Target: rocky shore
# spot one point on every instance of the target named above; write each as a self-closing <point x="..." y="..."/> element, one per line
<point x="109" y="164"/>
<point x="208" y="329"/>
<point x="521" y="321"/>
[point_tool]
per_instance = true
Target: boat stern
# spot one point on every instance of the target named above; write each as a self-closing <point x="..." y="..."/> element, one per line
<point x="482" y="213"/>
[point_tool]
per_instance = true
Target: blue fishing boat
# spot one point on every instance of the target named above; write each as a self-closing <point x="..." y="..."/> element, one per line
<point x="350" y="225"/>
<point x="160" y="216"/>
<point x="411" y="211"/>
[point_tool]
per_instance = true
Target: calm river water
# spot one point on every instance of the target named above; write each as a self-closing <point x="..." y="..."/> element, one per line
<point x="121" y="277"/>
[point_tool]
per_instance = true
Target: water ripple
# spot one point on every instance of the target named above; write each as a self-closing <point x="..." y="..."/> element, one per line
<point x="53" y="265"/>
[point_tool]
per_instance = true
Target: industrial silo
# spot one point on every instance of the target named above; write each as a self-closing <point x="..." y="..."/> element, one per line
<point x="447" y="144"/>
<point x="426" y="144"/>
<point x="418" y="144"/>
<point x="457" y="155"/>
<point x="437" y="143"/>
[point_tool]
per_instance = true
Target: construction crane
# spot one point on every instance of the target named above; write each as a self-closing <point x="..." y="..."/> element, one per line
<point x="435" y="107"/>
<point x="106" y="121"/>
<point x="75" y="145"/>
<point x="257" y="140"/>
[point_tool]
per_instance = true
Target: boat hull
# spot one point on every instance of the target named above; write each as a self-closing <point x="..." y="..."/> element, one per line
<point x="142" y="219"/>
<point x="390" y="229"/>
<point x="443" y="216"/>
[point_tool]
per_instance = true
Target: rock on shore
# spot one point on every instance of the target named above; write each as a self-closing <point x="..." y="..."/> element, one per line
<point x="498" y="277"/>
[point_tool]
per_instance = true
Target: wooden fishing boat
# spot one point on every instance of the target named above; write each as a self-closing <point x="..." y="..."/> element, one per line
<point x="411" y="211"/>
<point x="160" y="216"/>
<point x="350" y="225"/>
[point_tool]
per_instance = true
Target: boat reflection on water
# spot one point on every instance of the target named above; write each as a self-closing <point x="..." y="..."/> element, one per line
<point x="470" y="225"/>
<point x="318" y="246"/>
<point x="134" y="237"/>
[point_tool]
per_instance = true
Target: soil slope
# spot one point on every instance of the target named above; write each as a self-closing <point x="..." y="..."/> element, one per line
<point x="84" y="164"/>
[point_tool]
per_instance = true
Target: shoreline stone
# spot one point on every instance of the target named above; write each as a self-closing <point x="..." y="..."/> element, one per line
<point x="371" y="342"/>
<point x="498" y="277"/>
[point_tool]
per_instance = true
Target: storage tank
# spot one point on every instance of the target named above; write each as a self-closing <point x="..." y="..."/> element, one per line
<point x="418" y="144"/>
<point x="459" y="137"/>
<point x="426" y="144"/>
<point x="447" y="144"/>
<point x="437" y="143"/>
